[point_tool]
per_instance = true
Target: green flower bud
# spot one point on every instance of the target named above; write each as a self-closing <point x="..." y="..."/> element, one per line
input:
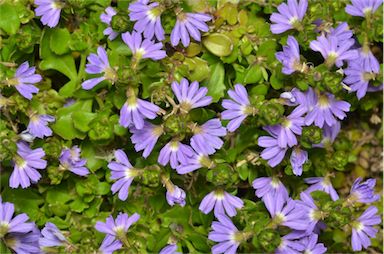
<point x="121" y="23"/>
<point x="151" y="178"/>
<point x="271" y="113"/>
<point x="222" y="174"/>
<point x="55" y="175"/>
<point x="7" y="142"/>
<point x="339" y="160"/>
<point x="176" y="124"/>
<point x="52" y="147"/>
<point x="269" y="240"/>
<point x="311" y="135"/>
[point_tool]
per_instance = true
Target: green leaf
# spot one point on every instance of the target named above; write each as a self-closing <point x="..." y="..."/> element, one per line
<point x="82" y="119"/>
<point x="58" y="195"/>
<point x="253" y="74"/>
<point x="64" y="128"/>
<point x="59" y="41"/>
<point x="78" y="205"/>
<point x="215" y="84"/>
<point x="276" y="81"/>
<point x="9" y="18"/>
<point x="218" y="44"/>
<point x="88" y="152"/>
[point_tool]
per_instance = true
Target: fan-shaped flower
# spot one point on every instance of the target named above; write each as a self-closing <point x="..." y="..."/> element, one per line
<point x="222" y="202"/>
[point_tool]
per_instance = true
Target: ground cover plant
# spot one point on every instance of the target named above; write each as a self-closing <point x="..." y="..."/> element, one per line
<point x="196" y="126"/>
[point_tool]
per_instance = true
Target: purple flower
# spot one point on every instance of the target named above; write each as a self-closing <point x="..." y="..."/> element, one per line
<point x="272" y="152"/>
<point x="342" y="32"/>
<point x="145" y="138"/>
<point x="175" y="195"/>
<point x="311" y="213"/>
<point x="286" y="213"/>
<point x="119" y="227"/>
<point x="135" y="110"/>
<point x="49" y="10"/>
<point x="123" y="172"/>
<point x="270" y="185"/>
<point x="198" y="160"/>
<point x="190" y="96"/>
<point x="289" y="245"/>
<point x="142" y="49"/>
<point x="110" y="245"/>
<point x="289" y="17"/>
<point x="189" y="24"/>
<point x="99" y="64"/>
<point x="321" y="184"/>
<point x="304" y="101"/>
<point x="360" y="72"/>
<point x="26" y="162"/>
<point x="363" y="8"/>
<point x="24" y="80"/>
<point x="51" y="236"/>
<point x="38" y="125"/>
<point x="225" y="234"/>
<point x="222" y="202"/>
<point x="311" y="246"/>
<point x="175" y="153"/>
<point x="363" y="230"/>
<point x="298" y="158"/>
<point x="334" y="50"/>
<point x="10" y="224"/>
<point x="106" y="18"/>
<point x="147" y="17"/>
<point x="290" y="57"/>
<point x="363" y="192"/>
<point x="291" y="125"/>
<point x="24" y="242"/>
<point x="169" y="249"/>
<point x="238" y="108"/>
<point x="70" y="160"/>
<point x="326" y="109"/>
<point x="206" y="137"/>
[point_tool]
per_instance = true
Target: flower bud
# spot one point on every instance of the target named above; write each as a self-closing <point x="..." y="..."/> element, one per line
<point x="271" y="113"/>
<point x="311" y="135"/>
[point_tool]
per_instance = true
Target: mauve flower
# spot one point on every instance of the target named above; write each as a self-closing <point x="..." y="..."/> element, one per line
<point x="224" y="233"/>
<point x="38" y="125"/>
<point x="147" y="17"/>
<point x="326" y="110"/>
<point x="26" y="162"/>
<point x="206" y="138"/>
<point x="24" y="243"/>
<point x="360" y="72"/>
<point x="304" y="101"/>
<point x="146" y="138"/>
<point x="363" y="230"/>
<point x="189" y="24"/>
<point x="311" y="213"/>
<point x="10" y="224"/>
<point x="269" y="185"/>
<point x="333" y="50"/>
<point x="363" y="8"/>
<point x="24" y="80"/>
<point x="135" y="110"/>
<point x="363" y="192"/>
<point x="106" y="17"/>
<point x="190" y="96"/>
<point x="117" y="227"/>
<point x="110" y="245"/>
<point x="286" y="213"/>
<point x="51" y="236"/>
<point x="237" y="109"/>
<point x="290" y="57"/>
<point x="198" y="160"/>
<point x="70" y="160"/>
<point x="222" y="202"/>
<point x="175" y="195"/>
<point x="142" y="49"/>
<point x="123" y="172"/>
<point x="342" y="32"/>
<point x="289" y="245"/>
<point x="169" y="249"/>
<point x="290" y="126"/>
<point x="273" y="153"/>
<point x="175" y="153"/>
<point x="49" y="10"/>
<point x="298" y="158"/>
<point x="312" y="246"/>
<point x="289" y="17"/>
<point x="321" y="184"/>
<point x="99" y="64"/>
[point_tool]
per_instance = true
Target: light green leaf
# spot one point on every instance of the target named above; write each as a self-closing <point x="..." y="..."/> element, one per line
<point x="9" y="18"/>
<point x="59" y="41"/>
<point x="218" y="44"/>
<point x="215" y="84"/>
